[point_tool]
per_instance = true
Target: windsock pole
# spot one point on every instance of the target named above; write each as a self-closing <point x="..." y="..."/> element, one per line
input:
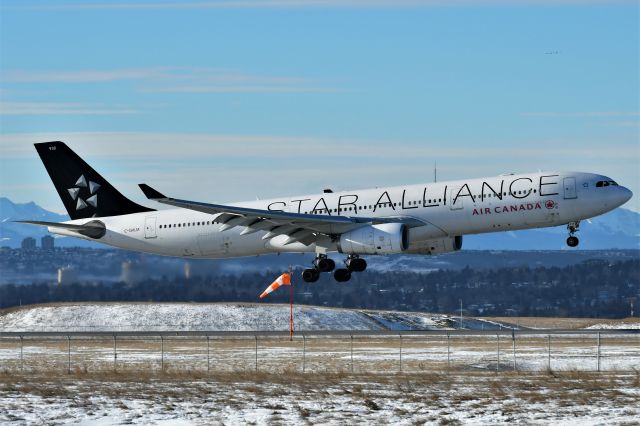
<point x="290" y="309"/>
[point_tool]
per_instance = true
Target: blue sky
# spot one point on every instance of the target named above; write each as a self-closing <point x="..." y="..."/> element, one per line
<point x="229" y="100"/>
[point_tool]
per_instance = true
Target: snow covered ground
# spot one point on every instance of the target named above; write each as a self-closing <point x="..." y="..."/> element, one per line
<point x="210" y="317"/>
<point x="456" y="379"/>
<point x="433" y="398"/>
<point x="625" y="325"/>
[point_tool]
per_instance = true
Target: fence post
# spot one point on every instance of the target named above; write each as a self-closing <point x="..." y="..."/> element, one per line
<point x="598" y="353"/>
<point x="115" y="354"/>
<point x="208" y="356"/>
<point x="352" y="353"/>
<point x="21" y="354"/>
<point x="304" y="353"/>
<point x="400" y="352"/>
<point x="68" y="354"/>
<point x="256" y="337"/>
<point x="513" y="335"/>
<point x="162" y="353"/>
<point x="498" y="364"/>
<point x="448" y="351"/>
<point x="549" y="353"/>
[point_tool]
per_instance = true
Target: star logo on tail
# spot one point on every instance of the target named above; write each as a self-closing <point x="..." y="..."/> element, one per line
<point x="90" y="187"/>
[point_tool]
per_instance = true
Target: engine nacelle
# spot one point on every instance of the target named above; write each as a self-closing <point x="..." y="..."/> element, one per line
<point x="386" y="238"/>
<point x="436" y="245"/>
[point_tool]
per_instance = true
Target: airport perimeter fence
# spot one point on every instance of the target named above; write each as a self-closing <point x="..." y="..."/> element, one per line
<point x="320" y="352"/>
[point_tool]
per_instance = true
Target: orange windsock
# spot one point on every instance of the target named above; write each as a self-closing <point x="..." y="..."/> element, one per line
<point x="284" y="279"/>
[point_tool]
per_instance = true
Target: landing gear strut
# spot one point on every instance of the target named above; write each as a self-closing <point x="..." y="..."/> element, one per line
<point x="573" y="227"/>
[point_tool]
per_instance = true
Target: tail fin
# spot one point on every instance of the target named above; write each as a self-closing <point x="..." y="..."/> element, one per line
<point x="83" y="191"/>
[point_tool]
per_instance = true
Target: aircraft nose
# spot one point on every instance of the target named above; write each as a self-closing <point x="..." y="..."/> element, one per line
<point x="625" y="195"/>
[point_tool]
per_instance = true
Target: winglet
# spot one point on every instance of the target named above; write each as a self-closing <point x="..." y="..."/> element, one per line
<point x="150" y="193"/>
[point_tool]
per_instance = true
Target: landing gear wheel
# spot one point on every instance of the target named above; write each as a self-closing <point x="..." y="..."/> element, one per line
<point x="342" y="275"/>
<point x="310" y="275"/>
<point x="356" y="264"/>
<point x="573" y="227"/>
<point x="324" y="264"/>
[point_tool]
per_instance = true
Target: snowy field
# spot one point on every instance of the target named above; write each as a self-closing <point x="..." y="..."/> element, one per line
<point x="477" y="398"/>
<point x="209" y="316"/>
<point x="365" y="379"/>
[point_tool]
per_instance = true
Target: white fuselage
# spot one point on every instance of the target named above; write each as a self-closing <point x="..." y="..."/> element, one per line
<point x="446" y="209"/>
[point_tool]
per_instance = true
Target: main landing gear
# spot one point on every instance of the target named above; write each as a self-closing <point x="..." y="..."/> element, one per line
<point x="573" y="227"/>
<point x="323" y="264"/>
<point x="320" y="264"/>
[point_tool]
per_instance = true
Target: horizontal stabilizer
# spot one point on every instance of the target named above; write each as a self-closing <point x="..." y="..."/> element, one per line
<point x="93" y="229"/>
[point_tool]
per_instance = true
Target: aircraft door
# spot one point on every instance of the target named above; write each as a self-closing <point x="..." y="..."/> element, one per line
<point x="453" y="192"/>
<point x="150" y="227"/>
<point x="570" y="188"/>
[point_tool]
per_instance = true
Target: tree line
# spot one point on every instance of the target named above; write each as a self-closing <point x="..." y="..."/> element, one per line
<point x="590" y="289"/>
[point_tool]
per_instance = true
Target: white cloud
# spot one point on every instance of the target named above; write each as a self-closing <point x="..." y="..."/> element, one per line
<point x="237" y="89"/>
<point x="83" y="76"/>
<point x="62" y="108"/>
<point x="190" y="146"/>
<point x="174" y="80"/>
<point x="603" y="114"/>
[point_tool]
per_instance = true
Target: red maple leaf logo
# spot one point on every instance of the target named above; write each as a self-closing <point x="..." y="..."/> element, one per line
<point x="549" y="204"/>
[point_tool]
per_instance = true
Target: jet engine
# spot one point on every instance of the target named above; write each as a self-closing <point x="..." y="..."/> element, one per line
<point x="386" y="238"/>
<point x="436" y="245"/>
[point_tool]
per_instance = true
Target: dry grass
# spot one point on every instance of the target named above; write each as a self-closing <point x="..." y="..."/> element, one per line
<point x="323" y="355"/>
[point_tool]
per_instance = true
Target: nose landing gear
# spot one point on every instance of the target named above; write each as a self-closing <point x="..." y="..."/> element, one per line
<point x="573" y="227"/>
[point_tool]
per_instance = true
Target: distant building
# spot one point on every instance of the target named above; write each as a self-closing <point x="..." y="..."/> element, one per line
<point x="67" y="275"/>
<point x="29" y="243"/>
<point x="47" y="242"/>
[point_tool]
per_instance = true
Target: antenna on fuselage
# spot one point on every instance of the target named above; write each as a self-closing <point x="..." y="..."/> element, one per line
<point x="435" y="171"/>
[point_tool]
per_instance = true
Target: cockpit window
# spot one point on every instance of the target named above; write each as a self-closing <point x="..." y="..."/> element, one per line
<point x="602" y="183"/>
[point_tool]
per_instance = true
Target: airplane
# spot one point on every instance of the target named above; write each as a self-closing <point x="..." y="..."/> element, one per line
<point x="423" y="219"/>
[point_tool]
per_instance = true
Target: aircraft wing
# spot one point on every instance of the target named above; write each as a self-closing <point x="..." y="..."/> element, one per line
<point x="299" y="227"/>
